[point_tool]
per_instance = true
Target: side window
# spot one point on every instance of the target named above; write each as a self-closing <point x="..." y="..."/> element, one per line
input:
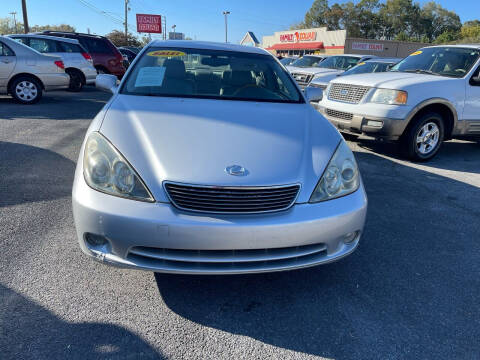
<point x="44" y="45"/>
<point x="475" y="79"/>
<point x="97" y="46"/>
<point x="5" y="50"/>
<point x="22" y="40"/>
<point x="70" y="48"/>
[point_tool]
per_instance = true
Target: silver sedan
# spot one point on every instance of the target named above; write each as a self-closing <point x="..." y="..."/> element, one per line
<point x="208" y="159"/>
<point x="25" y="73"/>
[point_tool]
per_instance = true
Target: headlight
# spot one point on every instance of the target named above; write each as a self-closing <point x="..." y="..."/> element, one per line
<point x="391" y="97"/>
<point x="340" y="178"/>
<point x="106" y="170"/>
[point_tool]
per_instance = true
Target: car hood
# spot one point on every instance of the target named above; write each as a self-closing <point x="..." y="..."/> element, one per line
<point x="390" y="80"/>
<point x="194" y="140"/>
<point x="326" y="77"/>
<point x="312" y="70"/>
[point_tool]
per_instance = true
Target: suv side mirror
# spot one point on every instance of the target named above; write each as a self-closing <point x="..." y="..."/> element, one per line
<point x="313" y="94"/>
<point x="475" y="80"/>
<point x="106" y="82"/>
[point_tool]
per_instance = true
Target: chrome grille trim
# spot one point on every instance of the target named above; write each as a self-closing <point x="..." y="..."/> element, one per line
<point x="302" y="79"/>
<point x="339" y="114"/>
<point x="352" y="94"/>
<point x="231" y="199"/>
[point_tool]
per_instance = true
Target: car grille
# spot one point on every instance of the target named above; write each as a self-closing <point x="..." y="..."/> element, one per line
<point x="348" y="93"/>
<point x="227" y="261"/>
<point x="339" y="114"/>
<point x="217" y="199"/>
<point x="302" y="79"/>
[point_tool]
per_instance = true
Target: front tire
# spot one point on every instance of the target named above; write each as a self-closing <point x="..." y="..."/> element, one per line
<point x="26" y="90"/>
<point x="76" y="81"/>
<point x="423" y="139"/>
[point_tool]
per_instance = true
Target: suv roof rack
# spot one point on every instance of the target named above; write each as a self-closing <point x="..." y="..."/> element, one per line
<point x="69" y="32"/>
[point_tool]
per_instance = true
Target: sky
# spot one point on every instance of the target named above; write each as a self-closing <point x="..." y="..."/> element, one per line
<point x="198" y="19"/>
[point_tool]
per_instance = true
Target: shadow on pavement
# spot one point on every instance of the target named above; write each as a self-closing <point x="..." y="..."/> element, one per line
<point x="28" y="331"/>
<point x="453" y="155"/>
<point x="409" y="291"/>
<point x="57" y="105"/>
<point x="31" y="174"/>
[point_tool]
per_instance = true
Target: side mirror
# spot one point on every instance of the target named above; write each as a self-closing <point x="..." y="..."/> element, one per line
<point x="475" y="81"/>
<point x="106" y="82"/>
<point x="313" y="94"/>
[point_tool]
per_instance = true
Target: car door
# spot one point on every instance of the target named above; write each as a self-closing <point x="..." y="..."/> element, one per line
<point x="7" y="64"/>
<point x="471" y="111"/>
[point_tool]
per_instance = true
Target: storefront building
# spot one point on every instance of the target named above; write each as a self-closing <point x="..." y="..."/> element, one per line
<point x="305" y="41"/>
<point x="322" y="41"/>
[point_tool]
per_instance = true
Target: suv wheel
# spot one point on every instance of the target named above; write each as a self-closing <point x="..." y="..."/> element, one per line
<point x="26" y="90"/>
<point x="76" y="81"/>
<point x="423" y="139"/>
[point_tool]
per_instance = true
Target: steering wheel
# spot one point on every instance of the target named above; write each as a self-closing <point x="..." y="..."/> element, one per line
<point x="244" y="87"/>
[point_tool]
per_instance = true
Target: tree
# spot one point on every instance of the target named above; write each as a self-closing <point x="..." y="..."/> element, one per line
<point x="118" y="39"/>
<point x="437" y="20"/>
<point x="61" y="27"/>
<point x="470" y="31"/>
<point x="317" y="15"/>
<point x="7" y="26"/>
<point x="447" y="37"/>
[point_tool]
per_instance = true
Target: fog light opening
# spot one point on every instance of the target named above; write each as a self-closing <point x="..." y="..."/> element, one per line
<point x="95" y="240"/>
<point x="350" y="237"/>
<point x="375" y="123"/>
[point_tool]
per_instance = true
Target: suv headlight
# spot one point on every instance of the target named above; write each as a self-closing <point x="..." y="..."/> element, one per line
<point x="390" y="97"/>
<point x="340" y="178"/>
<point x="106" y="170"/>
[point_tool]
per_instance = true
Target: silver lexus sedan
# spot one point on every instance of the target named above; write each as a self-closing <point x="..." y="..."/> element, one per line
<point x="208" y="159"/>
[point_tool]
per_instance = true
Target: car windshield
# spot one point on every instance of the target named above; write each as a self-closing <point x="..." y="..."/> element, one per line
<point x="339" y="62"/>
<point x="307" y="61"/>
<point x="287" y="61"/>
<point x="201" y="73"/>
<point x="444" y="61"/>
<point x="368" y="67"/>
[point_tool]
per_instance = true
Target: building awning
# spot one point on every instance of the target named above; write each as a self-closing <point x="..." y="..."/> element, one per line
<point x="298" y="46"/>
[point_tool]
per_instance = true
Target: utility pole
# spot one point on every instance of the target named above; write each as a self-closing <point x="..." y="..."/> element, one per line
<point x="174" y="27"/>
<point x="25" y="17"/>
<point x="13" y="13"/>
<point x="126" y="22"/>
<point x="226" y="13"/>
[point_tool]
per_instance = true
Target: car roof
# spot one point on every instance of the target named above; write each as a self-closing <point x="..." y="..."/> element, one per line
<point x="384" y="60"/>
<point x="207" y="45"/>
<point x="472" y="46"/>
<point x="39" y="36"/>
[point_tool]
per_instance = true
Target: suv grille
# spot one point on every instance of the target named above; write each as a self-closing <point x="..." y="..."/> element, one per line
<point x="348" y="93"/>
<point x="339" y="114"/>
<point x="217" y="199"/>
<point x="302" y="79"/>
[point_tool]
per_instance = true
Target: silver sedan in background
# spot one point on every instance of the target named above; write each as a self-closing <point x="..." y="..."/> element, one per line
<point x="208" y="159"/>
<point x="25" y="73"/>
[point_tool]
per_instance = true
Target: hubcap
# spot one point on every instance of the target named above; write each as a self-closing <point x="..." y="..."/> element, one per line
<point x="26" y="90"/>
<point x="427" y="138"/>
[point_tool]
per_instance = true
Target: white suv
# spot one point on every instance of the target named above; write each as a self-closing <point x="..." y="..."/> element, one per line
<point x="78" y="62"/>
<point x="430" y="96"/>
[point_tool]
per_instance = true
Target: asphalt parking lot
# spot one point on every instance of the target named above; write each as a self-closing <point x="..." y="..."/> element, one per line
<point x="410" y="291"/>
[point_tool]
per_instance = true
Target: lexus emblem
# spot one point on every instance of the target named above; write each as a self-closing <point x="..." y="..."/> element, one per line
<point x="236" y="170"/>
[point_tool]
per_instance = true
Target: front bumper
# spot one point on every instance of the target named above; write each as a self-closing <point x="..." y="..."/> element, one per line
<point x="158" y="237"/>
<point x="373" y="125"/>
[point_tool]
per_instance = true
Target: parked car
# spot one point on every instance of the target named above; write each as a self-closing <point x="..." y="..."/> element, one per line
<point x="368" y="66"/>
<point x="303" y="68"/>
<point x="78" y="62"/>
<point x="135" y="49"/>
<point x="128" y="55"/>
<point x="106" y="58"/>
<point x="208" y="160"/>
<point x="332" y="65"/>
<point x="25" y="73"/>
<point x="430" y="96"/>
<point x="287" y="60"/>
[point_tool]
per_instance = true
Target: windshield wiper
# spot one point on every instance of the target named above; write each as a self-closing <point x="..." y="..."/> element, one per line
<point x="421" y="71"/>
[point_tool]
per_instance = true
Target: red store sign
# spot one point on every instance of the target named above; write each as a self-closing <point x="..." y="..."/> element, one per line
<point x="299" y="36"/>
<point x="149" y="23"/>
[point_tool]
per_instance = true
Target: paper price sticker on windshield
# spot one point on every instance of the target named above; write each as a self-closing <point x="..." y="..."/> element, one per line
<point x="166" y="53"/>
<point x="416" y="53"/>
<point x="150" y="76"/>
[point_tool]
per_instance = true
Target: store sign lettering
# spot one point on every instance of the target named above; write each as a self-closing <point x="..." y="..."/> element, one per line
<point x="298" y="37"/>
<point x="367" y="46"/>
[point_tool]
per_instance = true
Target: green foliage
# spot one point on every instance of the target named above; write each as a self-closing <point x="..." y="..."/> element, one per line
<point x="392" y="19"/>
<point x="61" y="27"/>
<point x="447" y="37"/>
<point x="118" y="39"/>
